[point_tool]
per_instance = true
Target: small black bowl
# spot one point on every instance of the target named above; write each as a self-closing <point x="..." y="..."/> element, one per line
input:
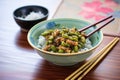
<point x="26" y="24"/>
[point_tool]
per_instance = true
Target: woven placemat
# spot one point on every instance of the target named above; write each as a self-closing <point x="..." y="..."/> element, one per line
<point x="91" y="11"/>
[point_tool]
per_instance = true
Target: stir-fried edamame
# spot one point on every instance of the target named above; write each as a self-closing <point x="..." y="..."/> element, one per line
<point x="64" y="40"/>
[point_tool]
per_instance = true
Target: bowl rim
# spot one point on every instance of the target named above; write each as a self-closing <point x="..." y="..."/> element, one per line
<point x="31" y="6"/>
<point x="61" y="54"/>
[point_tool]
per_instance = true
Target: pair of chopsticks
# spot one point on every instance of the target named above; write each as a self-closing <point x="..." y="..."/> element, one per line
<point x="96" y="24"/>
<point x="89" y="65"/>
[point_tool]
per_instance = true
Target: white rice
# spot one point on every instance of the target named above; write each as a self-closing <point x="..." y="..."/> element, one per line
<point x="88" y="45"/>
<point x="41" y="42"/>
<point x="33" y="16"/>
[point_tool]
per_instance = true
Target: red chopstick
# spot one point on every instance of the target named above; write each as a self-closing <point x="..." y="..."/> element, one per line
<point x="96" y="24"/>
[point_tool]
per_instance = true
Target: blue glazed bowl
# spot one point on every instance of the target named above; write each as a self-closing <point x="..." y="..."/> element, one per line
<point x="63" y="59"/>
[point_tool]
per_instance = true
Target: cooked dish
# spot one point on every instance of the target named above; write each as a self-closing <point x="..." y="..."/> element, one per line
<point x="63" y="40"/>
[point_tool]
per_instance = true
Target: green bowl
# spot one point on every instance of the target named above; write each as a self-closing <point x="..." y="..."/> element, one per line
<point x="63" y="59"/>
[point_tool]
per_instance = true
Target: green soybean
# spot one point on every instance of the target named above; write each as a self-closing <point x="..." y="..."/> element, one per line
<point x="82" y="44"/>
<point x="65" y="44"/>
<point x="83" y="39"/>
<point x="51" y="38"/>
<point x="76" y="48"/>
<point x="50" y="41"/>
<point x="60" y="51"/>
<point x="65" y="36"/>
<point x="53" y="48"/>
<point x="46" y="32"/>
<point x="75" y="38"/>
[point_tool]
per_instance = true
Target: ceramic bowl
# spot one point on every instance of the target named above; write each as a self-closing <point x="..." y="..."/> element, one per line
<point x="27" y="16"/>
<point x="63" y="59"/>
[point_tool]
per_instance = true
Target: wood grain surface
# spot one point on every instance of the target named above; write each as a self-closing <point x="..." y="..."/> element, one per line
<point x="18" y="60"/>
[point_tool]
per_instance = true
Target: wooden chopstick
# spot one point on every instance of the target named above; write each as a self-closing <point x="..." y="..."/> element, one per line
<point x="99" y="59"/>
<point x="92" y="62"/>
<point x="95" y="23"/>
<point x="86" y="64"/>
<point x="83" y="29"/>
<point x="83" y="66"/>
<point x="99" y="28"/>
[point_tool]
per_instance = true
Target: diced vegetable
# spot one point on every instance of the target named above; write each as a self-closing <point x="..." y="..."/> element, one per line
<point x="64" y="40"/>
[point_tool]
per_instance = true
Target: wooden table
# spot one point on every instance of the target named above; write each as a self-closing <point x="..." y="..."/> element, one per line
<point x="18" y="61"/>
